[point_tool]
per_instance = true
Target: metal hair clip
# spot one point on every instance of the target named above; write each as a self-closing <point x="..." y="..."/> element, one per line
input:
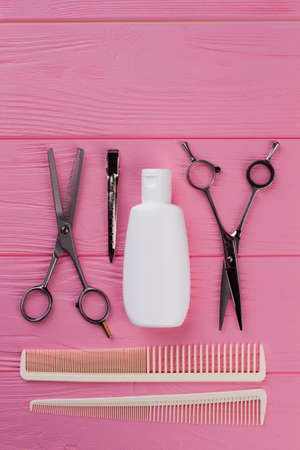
<point x="112" y="170"/>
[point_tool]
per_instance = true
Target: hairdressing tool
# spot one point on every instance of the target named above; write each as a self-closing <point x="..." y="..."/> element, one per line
<point x="112" y="170"/>
<point x="158" y="363"/>
<point x="230" y="277"/>
<point x="244" y="407"/>
<point x="65" y="242"/>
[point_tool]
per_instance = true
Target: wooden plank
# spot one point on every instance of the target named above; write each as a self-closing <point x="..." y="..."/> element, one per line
<point x="270" y="302"/>
<point x="19" y="428"/>
<point x="28" y="223"/>
<point x="153" y="80"/>
<point x="149" y="10"/>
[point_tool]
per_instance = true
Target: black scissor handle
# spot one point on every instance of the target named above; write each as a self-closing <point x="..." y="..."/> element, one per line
<point x="103" y="296"/>
<point x="46" y="293"/>
<point x="268" y="165"/>
<point x="214" y="170"/>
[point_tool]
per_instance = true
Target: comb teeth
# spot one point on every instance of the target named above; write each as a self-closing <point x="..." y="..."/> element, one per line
<point x="229" y="408"/>
<point x="237" y="362"/>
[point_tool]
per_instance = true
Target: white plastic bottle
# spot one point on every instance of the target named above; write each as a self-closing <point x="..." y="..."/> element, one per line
<point x="156" y="277"/>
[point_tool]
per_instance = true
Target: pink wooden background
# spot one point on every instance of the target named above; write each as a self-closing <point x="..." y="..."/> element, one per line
<point x="142" y="76"/>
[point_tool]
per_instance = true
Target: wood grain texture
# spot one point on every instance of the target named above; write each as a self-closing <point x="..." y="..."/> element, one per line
<point x="28" y="224"/>
<point x="149" y="10"/>
<point x="143" y="87"/>
<point x="270" y="302"/>
<point x="40" y="432"/>
<point x="150" y="80"/>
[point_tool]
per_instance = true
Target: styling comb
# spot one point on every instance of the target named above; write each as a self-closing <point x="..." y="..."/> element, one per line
<point x="227" y="362"/>
<point x="245" y="407"/>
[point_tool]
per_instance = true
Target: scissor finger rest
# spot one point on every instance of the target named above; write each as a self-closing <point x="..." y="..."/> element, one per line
<point x="101" y="320"/>
<point x="44" y="292"/>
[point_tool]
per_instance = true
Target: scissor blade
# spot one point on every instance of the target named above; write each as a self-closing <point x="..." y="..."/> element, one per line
<point x="73" y="186"/>
<point x="231" y="267"/>
<point x="55" y="186"/>
<point x="225" y="288"/>
<point x="58" y="248"/>
<point x="235" y="292"/>
<point x="224" y="297"/>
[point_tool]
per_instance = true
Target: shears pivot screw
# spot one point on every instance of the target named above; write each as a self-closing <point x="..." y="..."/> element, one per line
<point x="65" y="229"/>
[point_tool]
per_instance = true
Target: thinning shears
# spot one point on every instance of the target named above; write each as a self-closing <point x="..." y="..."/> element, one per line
<point x="230" y="274"/>
<point x="64" y="242"/>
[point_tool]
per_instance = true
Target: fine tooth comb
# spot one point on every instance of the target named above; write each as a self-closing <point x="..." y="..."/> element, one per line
<point x="245" y="407"/>
<point x="142" y="364"/>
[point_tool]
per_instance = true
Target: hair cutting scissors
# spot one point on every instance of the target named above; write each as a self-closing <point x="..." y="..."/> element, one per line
<point x="64" y="242"/>
<point x="230" y="275"/>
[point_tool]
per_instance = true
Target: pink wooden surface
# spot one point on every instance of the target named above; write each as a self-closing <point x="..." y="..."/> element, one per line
<point x="142" y="87"/>
<point x="264" y="298"/>
<point x="280" y="431"/>
<point x="150" y="80"/>
<point x="30" y="174"/>
<point x="149" y="10"/>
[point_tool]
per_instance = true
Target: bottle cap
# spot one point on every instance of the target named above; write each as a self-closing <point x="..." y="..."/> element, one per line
<point x="156" y="185"/>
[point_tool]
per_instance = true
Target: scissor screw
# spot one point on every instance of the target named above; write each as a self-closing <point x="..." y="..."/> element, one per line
<point x="65" y="229"/>
<point x="229" y="259"/>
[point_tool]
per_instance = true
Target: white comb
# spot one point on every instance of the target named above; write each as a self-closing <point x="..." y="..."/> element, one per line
<point x="245" y="407"/>
<point x="227" y="362"/>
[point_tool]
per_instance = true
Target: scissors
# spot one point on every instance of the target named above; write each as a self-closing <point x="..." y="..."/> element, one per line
<point x="64" y="242"/>
<point x="230" y="274"/>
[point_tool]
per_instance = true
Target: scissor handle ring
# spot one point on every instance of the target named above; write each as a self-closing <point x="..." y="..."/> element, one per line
<point x="45" y="291"/>
<point x="104" y="298"/>
<point x="261" y="162"/>
<point x="212" y="168"/>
